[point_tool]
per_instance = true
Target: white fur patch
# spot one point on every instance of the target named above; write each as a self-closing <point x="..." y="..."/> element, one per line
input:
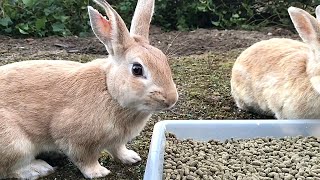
<point x="127" y="156"/>
<point x="95" y="171"/>
<point x="315" y="81"/>
<point x="34" y="170"/>
<point x="242" y="71"/>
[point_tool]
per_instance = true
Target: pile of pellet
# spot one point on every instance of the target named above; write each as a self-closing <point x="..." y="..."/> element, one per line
<point x="285" y="158"/>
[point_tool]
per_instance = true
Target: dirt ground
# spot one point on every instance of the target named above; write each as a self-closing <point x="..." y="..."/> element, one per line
<point x="201" y="61"/>
<point x="174" y="43"/>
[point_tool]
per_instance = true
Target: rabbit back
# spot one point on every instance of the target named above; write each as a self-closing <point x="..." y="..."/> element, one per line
<point x="270" y="77"/>
<point x="38" y="91"/>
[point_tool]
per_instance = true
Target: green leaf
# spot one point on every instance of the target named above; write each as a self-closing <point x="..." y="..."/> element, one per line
<point x="22" y="31"/>
<point x="202" y="8"/>
<point x="61" y="18"/>
<point x="47" y="11"/>
<point x="41" y="33"/>
<point x="28" y="3"/>
<point x="8" y="30"/>
<point x="235" y="16"/>
<point x="58" y="27"/>
<point x="215" y="23"/>
<point x="5" y="21"/>
<point x="41" y="23"/>
<point x="23" y="28"/>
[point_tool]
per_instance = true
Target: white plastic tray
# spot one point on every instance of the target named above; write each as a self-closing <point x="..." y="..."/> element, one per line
<point x="204" y="130"/>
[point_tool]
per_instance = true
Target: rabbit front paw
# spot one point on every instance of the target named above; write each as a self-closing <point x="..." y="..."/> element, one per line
<point x="36" y="169"/>
<point x="95" y="171"/>
<point x="128" y="156"/>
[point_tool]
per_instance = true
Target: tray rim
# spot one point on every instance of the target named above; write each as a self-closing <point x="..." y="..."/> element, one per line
<point x="156" y="150"/>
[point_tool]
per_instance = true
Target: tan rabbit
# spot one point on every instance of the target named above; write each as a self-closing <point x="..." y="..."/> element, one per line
<point x="82" y="109"/>
<point x="281" y="77"/>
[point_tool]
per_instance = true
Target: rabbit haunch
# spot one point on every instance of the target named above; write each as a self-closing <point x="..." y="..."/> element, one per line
<point x="281" y="76"/>
<point x="82" y="109"/>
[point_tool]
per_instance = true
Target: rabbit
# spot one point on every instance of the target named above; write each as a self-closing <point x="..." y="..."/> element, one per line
<point x="280" y="77"/>
<point x="82" y="109"/>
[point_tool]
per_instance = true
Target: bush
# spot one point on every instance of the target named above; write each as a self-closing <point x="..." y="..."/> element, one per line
<point x="69" y="17"/>
<point x="240" y="14"/>
<point x="44" y="17"/>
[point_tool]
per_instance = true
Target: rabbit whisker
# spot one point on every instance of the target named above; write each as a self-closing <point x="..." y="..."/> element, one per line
<point x="171" y="43"/>
<point x="174" y="52"/>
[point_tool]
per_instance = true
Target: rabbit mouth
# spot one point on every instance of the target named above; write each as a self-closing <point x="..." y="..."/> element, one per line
<point x="154" y="105"/>
<point x="155" y="101"/>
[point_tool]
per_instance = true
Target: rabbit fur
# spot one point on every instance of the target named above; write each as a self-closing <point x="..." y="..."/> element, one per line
<point x="281" y="77"/>
<point x="84" y="108"/>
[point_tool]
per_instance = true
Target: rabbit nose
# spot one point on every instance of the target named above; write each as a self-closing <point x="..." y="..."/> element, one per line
<point x="171" y="98"/>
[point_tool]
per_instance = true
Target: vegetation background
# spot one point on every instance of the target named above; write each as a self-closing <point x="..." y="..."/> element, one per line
<point x="201" y="60"/>
<point x="42" y="18"/>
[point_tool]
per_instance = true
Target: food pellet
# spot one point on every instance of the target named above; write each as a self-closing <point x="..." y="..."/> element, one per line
<point x="259" y="158"/>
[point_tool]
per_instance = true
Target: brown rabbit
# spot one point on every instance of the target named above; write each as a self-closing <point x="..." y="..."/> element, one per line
<point x="281" y="77"/>
<point x="82" y="109"/>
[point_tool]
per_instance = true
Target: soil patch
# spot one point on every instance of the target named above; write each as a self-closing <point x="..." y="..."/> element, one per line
<point x="174" y="43"/>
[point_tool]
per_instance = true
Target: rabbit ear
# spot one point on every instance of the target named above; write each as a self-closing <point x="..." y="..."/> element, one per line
<point x="113" y="33"/>
<point x="318" y="12"/>
<point x="142" y="17"/>
<point x="306" y="25"/>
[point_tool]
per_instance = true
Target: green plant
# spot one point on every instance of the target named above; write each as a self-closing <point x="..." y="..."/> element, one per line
<point x="44" y="18"/>
<point x="221" y="14"/>
<point x="69" y="17"/>
<point x="125" y="8"/>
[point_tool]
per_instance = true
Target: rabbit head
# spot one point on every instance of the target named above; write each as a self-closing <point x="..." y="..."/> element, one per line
<point x="308" y="28"/>
<point x="139" y="76"/>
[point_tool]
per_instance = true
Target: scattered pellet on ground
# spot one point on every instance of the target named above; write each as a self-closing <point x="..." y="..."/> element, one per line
<point x="286" y="158"/>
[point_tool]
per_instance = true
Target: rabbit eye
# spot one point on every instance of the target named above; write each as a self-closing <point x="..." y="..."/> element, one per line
<point x="137" y="69"/>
